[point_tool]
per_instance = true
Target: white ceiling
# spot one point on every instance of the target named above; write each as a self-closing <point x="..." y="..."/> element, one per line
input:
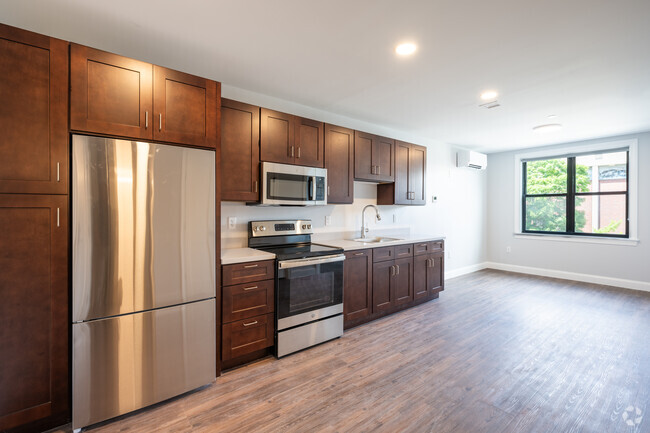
<point x="586" y="61"/>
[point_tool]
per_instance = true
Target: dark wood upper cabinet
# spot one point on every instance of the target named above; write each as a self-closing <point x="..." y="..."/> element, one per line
<point x="116" y="95"/>
<point x="33" y="113"/>
<point x="374" y="158"/>
<point x="289" y="139"/>
<point x="240" y="151"/>
<point x="185" y="108"/>
<point x="339" y="161"/>
<point x="34" y="311"/>
<point x="357" y="292"/>
<point x="410" y="177"/>
<point x="310" y="142"/>
<point x="110" y="94"/>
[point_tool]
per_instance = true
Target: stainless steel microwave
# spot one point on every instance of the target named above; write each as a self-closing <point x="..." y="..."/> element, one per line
<point x="293" y="185"/>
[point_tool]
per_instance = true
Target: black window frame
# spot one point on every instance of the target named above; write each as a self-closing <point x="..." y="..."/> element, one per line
<point x="571" y="195"/>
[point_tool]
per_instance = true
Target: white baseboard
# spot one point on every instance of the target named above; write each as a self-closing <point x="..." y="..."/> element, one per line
<point x="465" y="270"/>
<point x="586" y="278"/>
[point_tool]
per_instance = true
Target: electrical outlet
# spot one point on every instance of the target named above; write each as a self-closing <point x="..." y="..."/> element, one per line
<point x="508" y="249"/>
<point x="232" y="222"/>
<point x="328" y="220"/>
<point x="394" y="218"/>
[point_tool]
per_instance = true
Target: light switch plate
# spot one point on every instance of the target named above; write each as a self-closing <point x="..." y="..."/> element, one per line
<point x="328" y="220"/>
<point x="232" y="221"/>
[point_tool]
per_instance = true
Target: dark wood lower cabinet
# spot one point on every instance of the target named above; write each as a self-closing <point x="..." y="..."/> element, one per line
<point x="402" y="276"/>
<point x="34" y="329"/>
<point x="245" y="336"/>
<point x="357" y="290"/>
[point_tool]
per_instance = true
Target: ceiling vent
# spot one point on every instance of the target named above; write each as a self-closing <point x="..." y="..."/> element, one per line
<point x="470" y="159"/>
<point x="491" y="104"/>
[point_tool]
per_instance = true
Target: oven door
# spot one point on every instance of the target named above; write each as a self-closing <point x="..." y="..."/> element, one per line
<point x="284" y="184"/>
<point x="309" y="289"/>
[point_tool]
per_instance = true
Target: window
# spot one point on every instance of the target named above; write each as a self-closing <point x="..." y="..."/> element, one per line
<point x="577" y="194"/>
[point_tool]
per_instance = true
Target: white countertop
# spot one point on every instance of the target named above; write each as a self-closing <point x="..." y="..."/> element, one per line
<point x="231" y="256"/>
<point x="349" y="245"/>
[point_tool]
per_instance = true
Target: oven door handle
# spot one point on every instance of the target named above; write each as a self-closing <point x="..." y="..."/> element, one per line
<point x="286" y="264"/>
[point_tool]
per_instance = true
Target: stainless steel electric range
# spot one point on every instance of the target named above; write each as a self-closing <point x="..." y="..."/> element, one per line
<point x="308" y="284"/>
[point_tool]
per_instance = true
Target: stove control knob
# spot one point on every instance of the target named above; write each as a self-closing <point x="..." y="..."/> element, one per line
<point x="262" y="228"/>
<point x="304" y="226"/>
<point x="255" y="228"/>
<point x="308" y="226"/>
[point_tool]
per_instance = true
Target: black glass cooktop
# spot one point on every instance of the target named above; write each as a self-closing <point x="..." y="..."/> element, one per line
<point x="301" y="251"/>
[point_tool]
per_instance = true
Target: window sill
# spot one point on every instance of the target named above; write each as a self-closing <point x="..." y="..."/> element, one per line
<point x="578" y="239"/>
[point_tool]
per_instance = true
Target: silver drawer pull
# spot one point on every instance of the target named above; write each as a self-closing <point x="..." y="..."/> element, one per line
<point x="251" y="266"/>
<point x="359" y="254"/>
<point x="250" y="288"/>
<point x="249" y="324"/>
<point x="422" y="245"/>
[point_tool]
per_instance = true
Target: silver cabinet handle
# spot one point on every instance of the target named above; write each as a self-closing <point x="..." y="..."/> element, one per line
<point x="298" y="152"/>
<point x="249" y="324"/>
<point x="433" y="263"/>
<point x="428" y="263"/>
<point x="392" y="271"/>
<point x="250" y="266"/>
<point x="58" y="172"/>
<point x="328" y="190"/>
<point x="250" y="288"/>
<point x="146" y="119"/>
<point x="58" y="217"/>
<point x="255" y="186"/>
<point x="397" y="266"/>
<point x="372" y="169"/>
<point x="292" y="151"/>
<point x="160" y="122"/>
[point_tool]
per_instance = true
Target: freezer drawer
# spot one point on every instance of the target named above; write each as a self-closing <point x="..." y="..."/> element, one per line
<point x="128" y="362"/>
<point x="143" y="226"/>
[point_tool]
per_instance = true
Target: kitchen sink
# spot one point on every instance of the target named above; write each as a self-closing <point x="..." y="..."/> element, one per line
<point x="376" y="240"/>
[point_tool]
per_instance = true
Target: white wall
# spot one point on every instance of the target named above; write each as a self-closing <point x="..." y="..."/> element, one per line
<point x="624" y="265"/>
<point x="459" y="213"/>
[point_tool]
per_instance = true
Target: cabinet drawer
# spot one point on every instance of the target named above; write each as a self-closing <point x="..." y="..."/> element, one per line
<point x="403" y="251"/>
<point x="247" y="336"/>
<point x="247" y="300"/>
<point x="247" y="272"/>
<point x="383" y="254"/>
<point x="427" y="247"/>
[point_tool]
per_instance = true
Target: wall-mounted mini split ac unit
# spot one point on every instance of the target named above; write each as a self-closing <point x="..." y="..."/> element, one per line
<point x="470" y="159"/>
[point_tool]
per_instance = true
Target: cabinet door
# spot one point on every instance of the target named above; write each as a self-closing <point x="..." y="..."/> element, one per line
<point x="309" y="142"/>
<point x="277" y="137"/>
<point x="34" y="310"/>
<point x="402" y="173"/>
<point x="403" y="281"/>
<point x="185" y="108"/>
<point x="382" y="285"/>
<point x="33" y="113"/>
<point x="363" y="163"/>
<point x="417" y="174"/>
<point x="383" y="156"/>
<point x="339" y="161"/>
<point x="421" y="276"/>
<point x="436" y="273"/>
<point x="110" y="94"/>
<point x="357" y="292"/>
<point x="240" y="151"/>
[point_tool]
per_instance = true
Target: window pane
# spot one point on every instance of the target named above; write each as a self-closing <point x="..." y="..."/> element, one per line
<point x="546" y="176"/>
<point x="546" y="214"/>
<point x="601" y="214"/>
<point x="601" y="172"/>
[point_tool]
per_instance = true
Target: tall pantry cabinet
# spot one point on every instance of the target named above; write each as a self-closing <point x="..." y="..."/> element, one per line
<point x="34" y="390"/>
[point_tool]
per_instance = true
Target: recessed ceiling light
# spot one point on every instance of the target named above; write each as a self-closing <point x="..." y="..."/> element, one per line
<point x="489" y="95"/>
<point x="405" y="49"/>
<point x="549" y="127"/>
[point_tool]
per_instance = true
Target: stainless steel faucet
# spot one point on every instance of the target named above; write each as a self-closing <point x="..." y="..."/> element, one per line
<point x="364" y="229"/>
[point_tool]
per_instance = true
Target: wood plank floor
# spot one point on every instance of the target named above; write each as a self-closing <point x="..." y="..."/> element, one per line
<point x="498" y="352"/>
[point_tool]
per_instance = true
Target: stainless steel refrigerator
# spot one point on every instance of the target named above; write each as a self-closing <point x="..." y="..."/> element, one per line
<point x="143" y="274"/>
